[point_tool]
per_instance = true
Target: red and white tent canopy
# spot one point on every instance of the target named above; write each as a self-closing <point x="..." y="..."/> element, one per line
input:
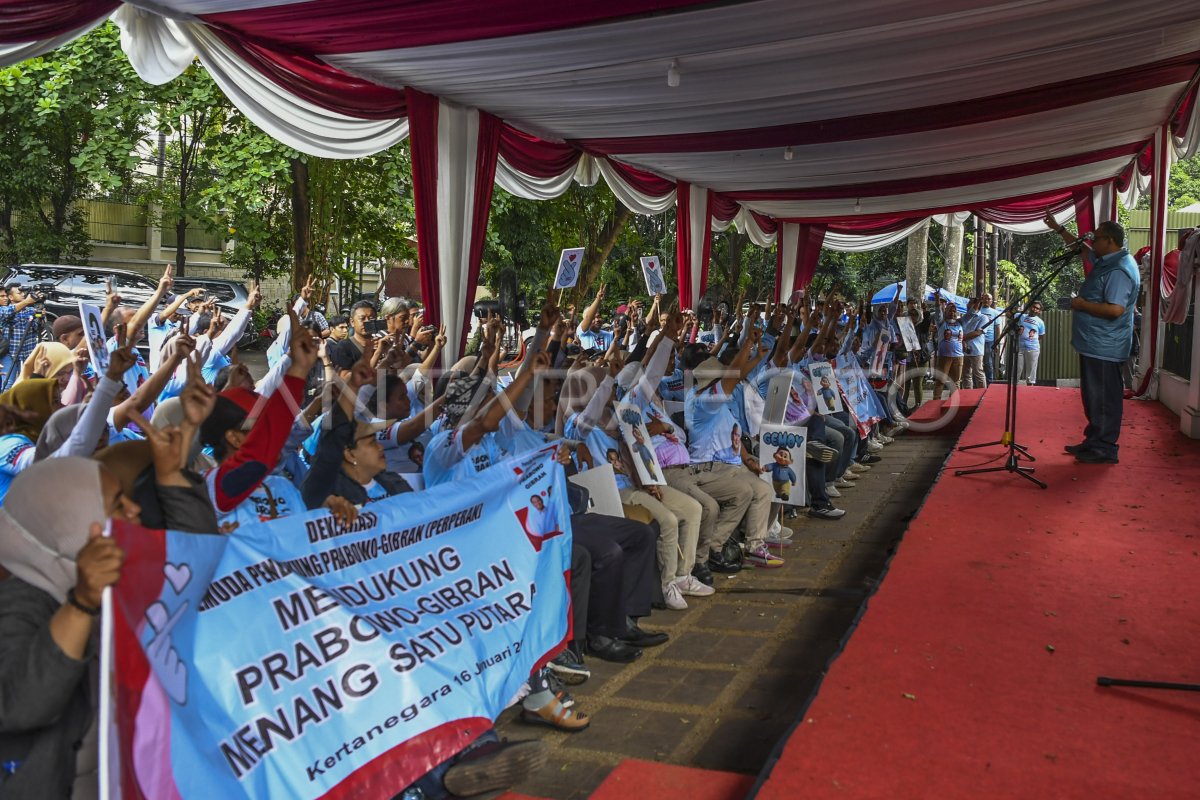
<point x="832" y="124"/>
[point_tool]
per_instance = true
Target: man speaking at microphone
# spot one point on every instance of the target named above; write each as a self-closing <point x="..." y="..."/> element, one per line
<point x="1101" y="330"/>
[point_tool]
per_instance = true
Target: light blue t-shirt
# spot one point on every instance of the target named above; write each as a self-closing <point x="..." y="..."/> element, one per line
<point x="445" y="459"/>
<point x="973" y="321"/>
<point x="1032" y="327"/>
<point x="594" y="340"/>
<point x="157" y="333"/>
<point x="713" y="430"/>
<point x="990" y="330"/>
<point x="16" y="453"/>
<point x="604" y="449"/>
<point x="950" y="339"/>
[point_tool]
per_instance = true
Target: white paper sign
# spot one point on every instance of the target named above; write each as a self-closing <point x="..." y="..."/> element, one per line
<point x="637" y="439"/>
<point x="568" y="268"/>
<point x="652" y="272"/>
<point x="94" y="335"/>
<point x="826" y="397"/>
<point x="782" y="451"/>
<point x="908" y="332"/>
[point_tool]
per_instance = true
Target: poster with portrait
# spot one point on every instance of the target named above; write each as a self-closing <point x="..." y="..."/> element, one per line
<point x="93" y="330"/>
<point x="641" y="449"/>
<point x="781" y="452"/>
<point x="569" y="263"/>
<point x="652" y="272"/>
<point x="908" y="333"/>
<point x="826" y="397"/>
<point x="878" y="366"/>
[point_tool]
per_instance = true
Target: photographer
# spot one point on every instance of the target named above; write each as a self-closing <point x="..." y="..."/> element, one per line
<point x="16" y="335"/>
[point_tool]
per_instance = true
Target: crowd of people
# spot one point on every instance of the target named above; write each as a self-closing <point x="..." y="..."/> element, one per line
<point x="169" y="429"/>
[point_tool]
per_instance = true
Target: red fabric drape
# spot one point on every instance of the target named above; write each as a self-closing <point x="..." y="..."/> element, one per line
<point x="317" y="82"/>
<point x="767" y="225"/>
<point x="1085" y="217"/>
<point x="723" y="208"/>
<point x="641" y="180"/>
<point x="808" y="253"/>
<point x="1179" y="123"/>
<point x="26" y="21"/>
<point x="352" y="26"/>
<point x="1026" y="209"/>
<point x="485" y="181"/>
<point x="1158" y="234"/>
<point x="423" y="144"/>
<point x="530" y="155"/>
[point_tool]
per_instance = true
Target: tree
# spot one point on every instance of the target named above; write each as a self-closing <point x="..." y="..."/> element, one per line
<point x="69" y="125"/>
<point x="917" y="261"/>
<point x="193" y="113"/>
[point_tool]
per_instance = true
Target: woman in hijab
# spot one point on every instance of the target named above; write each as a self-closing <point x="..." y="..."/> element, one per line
<point x="60" y="565"/>
<point x="24" y="410"/>
<point x="49" y="360"/>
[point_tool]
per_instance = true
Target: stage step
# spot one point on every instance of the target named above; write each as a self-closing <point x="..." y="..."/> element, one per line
<point x="635" y="778"/>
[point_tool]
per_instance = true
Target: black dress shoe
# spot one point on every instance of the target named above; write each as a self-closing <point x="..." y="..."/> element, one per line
<point x="639" y="638"/>
<point x="613" y="650"/>
<point x="718" y="564"/>
<point x="702" y="573"/>
<point x="1092" y="457"/>
<point x="1074" y="449"/>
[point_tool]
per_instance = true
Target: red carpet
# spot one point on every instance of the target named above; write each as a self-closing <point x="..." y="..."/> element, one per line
<point x="972" y="673"/>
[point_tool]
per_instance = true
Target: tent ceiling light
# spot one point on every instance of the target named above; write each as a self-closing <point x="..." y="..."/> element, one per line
<point x="673" y="74"/>
<point x="857" y="206"/>
<point x="788" y="155"/>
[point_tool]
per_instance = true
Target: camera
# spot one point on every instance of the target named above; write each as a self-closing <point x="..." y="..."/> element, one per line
<point x="41" y="291"/>
<point x="373" y="326"/>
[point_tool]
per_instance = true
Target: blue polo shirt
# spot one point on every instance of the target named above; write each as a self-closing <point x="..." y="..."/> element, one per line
<point x="1114" y="279"/>
<point x="973" y="321"/>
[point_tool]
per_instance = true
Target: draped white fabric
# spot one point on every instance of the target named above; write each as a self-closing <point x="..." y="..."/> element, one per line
<point x="638" y="202"/>
<point x="16" y="53"/>
<point x="458" y="152"/>
<point x="1188" y="145"/>
<point x="281" y="114"/>
<point x="531" y="187"/>
<point x="789" y="241"/>
<point x="156" y="46"/>
<point x="698" y="230"/>
<point x="847" y="243"/>
<point x="1177" y="303"/>
<point x="745" y="223"/>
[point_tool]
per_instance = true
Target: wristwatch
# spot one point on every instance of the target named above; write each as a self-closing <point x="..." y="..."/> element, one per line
<point x="73" y="600"/>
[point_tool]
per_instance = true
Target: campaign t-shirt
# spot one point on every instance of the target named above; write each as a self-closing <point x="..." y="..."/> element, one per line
<point x="136" y="375"/>
<point x="16" y="453"/>
<point x="157" y="333"/>
<point x="275" y="497"/>
<point x="594" y="340"/>
<point x="713" y="430"/>
<point x="375" y="491"/>
<point x="973" y="321"/>
<point x="604" y="449"/>
<point x="445" y="459"/>
<point x="990" y="314"/>
<point x="1032" y="328"/>
<point x="950" y="339"/>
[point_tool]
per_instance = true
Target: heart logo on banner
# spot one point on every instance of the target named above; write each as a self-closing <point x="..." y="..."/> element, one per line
<point x="651" y="265"/>
<point x="178" y="576"/>
<point x="571" y="257"/>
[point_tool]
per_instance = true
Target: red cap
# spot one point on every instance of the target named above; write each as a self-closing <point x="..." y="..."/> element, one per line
<point x="245" y="399"/>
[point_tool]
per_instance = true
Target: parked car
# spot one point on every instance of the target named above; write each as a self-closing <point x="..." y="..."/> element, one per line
<point x="65" y="286"/>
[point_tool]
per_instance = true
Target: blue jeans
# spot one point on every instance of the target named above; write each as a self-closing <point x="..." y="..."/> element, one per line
<point x="853" y="442"/>
<point x="989" y="371"/>
<point x="10" y="369"/>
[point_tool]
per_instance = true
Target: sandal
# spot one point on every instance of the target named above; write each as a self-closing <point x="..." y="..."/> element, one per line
<point x="555" y="715"/>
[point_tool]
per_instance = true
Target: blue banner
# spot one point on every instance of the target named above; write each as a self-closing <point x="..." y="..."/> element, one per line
<point x="287" y="659"/>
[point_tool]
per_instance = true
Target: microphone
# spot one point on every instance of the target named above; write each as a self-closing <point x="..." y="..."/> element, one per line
<point x="1079" y="244"/>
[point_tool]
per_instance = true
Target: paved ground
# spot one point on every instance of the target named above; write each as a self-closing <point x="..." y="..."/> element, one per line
<point x="742" y="664"/>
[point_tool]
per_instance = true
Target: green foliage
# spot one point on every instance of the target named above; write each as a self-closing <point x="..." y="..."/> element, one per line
<point x="1184" y="187"/>
<point x="69" y="124"/>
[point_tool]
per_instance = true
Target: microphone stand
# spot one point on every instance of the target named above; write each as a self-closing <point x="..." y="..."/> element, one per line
<point x="1017" y="451"/>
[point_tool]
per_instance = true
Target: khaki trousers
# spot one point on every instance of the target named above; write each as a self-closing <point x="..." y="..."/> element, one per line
<point x="678" y="518"/>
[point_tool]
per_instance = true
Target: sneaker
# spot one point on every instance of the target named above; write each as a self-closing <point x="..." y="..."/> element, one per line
<point x="494" y="766"/>
<point x="569" y="668"/>
<point x="849" y="475"/>
<point x="870" y="458"/>
<point x="860" y="469"/>
<point x="692" y="588"/>
<point x="873" y="446"/>
<point x="832" y="491"/>
<point x="842" y="483"/>
<point x="827" y="512"/>
<point x="673" y="597"/>
<point x="884" y="439"/>
<point x="775" y="540"/>
<point x="762" y="557"/>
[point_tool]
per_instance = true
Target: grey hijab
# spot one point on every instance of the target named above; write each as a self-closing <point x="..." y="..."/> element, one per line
<point x="57" y="430"/>
<point x="45" y="519"/>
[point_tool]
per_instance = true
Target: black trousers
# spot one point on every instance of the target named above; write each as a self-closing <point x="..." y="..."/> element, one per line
<point x="581" y="587"/>
<point x="1103" y="393"/>
<point x="624" y="574"/>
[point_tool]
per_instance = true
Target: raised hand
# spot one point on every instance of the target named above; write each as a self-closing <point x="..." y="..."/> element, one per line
<point x="97" y="566"/>
<point x="306" y="291"/>
<point x="301" y="348"/>
<point x="123" y="358"/>
<point x="550" y="314"/>
<point x="167" y="280"/>
<point x="254" y="297"/>
<point x="198" y="396"/>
